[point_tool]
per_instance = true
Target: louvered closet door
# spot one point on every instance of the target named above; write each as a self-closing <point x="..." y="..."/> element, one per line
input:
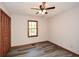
<point x="3" y="34"/>
<point x="5" y="24"/>
<point x="9" y="33"/>
<point x="1" y="53"/>
<point x="3" y="31"/>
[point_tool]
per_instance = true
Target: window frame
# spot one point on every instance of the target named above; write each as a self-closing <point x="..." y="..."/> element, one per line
<point x="36" y="28"/>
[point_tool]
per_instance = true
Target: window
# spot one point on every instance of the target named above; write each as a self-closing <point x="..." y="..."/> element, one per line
<point x="32" y="28"/>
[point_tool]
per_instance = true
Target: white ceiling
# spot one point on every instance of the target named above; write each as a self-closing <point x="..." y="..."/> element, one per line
<point x="23" y="8"/>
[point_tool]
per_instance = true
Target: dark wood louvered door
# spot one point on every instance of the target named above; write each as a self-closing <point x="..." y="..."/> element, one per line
<point x="5" y="33"/>
<point x="0" y="36"/>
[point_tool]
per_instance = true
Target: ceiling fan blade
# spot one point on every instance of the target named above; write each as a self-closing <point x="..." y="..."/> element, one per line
<point x="50" y="8"/>
<point x="37" y="13"/>
<point x="35" y="8"/>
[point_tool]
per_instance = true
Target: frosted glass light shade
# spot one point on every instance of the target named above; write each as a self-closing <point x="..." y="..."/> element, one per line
<point x="44" y="10"/>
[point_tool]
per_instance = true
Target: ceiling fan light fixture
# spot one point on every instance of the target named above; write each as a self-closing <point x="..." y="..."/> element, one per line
<point x="44" y="10"/>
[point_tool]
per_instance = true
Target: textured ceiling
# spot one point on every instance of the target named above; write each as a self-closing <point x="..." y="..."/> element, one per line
<point x="23" y="8"/>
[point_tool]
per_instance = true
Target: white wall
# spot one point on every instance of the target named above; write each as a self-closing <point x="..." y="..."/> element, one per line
<point x="19" y="30"/>
<point x="64" y="29"/>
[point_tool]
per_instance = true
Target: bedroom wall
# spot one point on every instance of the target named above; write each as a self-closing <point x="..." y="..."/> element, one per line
<point x="19" y="30"/>
<point x="64" y="29"/>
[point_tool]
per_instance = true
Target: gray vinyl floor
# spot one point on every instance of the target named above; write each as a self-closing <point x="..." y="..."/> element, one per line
<point x="42" y="49"/>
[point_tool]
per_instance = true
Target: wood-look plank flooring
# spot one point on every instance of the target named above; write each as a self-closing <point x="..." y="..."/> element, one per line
<point x="41" y="49"/>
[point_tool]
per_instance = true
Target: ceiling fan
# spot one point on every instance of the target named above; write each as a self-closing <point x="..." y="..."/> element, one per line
<point x="42" y="8"/>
